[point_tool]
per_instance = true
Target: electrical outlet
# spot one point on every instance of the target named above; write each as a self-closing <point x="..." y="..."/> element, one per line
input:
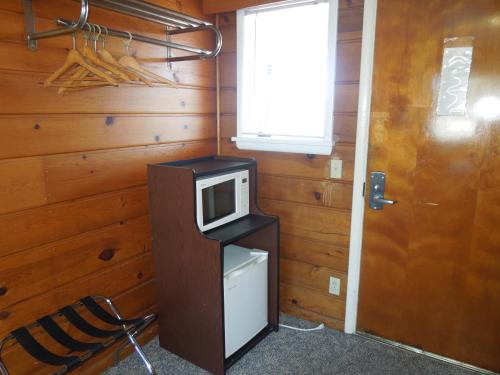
<point x="334" y="287"/>
<point x="335" y="168"/>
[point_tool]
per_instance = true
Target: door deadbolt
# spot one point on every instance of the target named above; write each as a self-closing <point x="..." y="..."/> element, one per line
<point x="377" y="190"/>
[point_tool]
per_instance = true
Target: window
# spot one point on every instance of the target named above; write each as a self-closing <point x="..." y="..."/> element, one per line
<point x="286" y="68"/>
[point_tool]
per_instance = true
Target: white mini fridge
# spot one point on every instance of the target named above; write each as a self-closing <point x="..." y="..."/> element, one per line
<point x="245" y="295"/>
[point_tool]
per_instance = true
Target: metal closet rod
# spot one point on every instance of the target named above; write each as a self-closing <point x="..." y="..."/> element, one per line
<point x="150" y="12"/>
<point x="199" y="53"/>
<point x="180" y="23"/>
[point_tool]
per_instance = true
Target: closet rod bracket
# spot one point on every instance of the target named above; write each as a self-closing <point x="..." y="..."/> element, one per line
<point x="29" y="24"/>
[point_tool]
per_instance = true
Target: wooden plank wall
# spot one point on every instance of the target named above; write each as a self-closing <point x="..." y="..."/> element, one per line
<point x="223" y="6"/>
<point x="314" y="210"/>
<point x="73" y="197"/>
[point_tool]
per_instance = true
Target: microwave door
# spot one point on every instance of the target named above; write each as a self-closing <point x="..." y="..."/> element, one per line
<point x="208" y="204"/>
<point x="219" y="201"/>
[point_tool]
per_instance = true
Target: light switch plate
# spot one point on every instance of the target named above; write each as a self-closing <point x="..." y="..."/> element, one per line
<point x="334" y="287"/>
<point x="335" y="168"/>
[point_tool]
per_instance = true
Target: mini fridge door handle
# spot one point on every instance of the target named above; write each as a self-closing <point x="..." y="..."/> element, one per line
<point x="260" y="259"/>
<point x="237" y="273"/>
<point x="240" y="271"/>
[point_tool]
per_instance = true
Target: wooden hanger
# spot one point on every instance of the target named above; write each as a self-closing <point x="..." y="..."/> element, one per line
<point x="91" y="55"/>
<point x="132" y="64"/>
<point x="81" y="77"/>
<point x="75" y="58"/>
<point x="106" y="56"/>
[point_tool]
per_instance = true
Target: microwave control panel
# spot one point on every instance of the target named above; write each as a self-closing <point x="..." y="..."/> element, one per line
<point x="245" y="194"/>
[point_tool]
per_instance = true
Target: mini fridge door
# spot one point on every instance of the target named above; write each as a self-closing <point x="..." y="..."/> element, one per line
<point x="245" y="295"/>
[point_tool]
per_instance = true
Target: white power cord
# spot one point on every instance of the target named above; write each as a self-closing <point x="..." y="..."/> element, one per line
<point x="321" y="326"/>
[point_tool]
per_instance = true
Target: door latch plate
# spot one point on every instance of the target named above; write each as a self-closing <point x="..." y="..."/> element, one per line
<point x="377" y="189"/>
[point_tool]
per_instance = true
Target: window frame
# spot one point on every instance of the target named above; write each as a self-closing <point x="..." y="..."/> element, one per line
<point x="296" y="144"/>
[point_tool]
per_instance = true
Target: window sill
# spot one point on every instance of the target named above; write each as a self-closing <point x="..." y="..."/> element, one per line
<point x="317" y="147"/>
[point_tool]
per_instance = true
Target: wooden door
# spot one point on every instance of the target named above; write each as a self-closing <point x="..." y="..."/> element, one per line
<point x="430" y="275"/>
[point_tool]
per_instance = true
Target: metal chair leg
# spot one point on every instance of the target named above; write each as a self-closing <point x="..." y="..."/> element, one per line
<point x="3" y="369"/>
<point x="131" y="337"/>
<point x="142" y="355"/>
<point x="116" y="356"/>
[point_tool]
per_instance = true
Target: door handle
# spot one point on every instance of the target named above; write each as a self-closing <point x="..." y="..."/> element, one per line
<point x="384" y="201"/>
<point x="377" y="190"/>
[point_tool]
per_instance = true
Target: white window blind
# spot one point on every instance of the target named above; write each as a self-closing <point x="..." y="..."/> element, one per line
<point x="286" y="65"/>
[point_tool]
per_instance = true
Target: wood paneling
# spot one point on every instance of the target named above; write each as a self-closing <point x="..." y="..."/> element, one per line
<point x="228" y="126"/>
<point x="312" y="300"/>
<point x="314" y="277"/>
<point x="346" y="98"/>
<point x="228" y="74"/>
<point x="431" y="264"/>
<point x="314" y="252"/>
<point x="350" y="18"/>
<point x="47" y="134"/>
<point x="72" y="176"/>
<point x="35" y="181"/>
<point x="34" y="271"/>
<point x="24" y="94"/>
<point x="314" y="210"/>
<point x="22" y="184"/>
<point x="223" y="6"/>
<point x="316" y="223"/>
<point x="316" y="192"/>
<point x="301" y="165"/>
<point x="73" y="201"/>
<point x="228" y="100"/>
<point x="35" y="227"/>
<point x="347" y="52"/>
<point x="277" y="163"/>
<point x="229" y="45"/>
<point x="345" y="127"/>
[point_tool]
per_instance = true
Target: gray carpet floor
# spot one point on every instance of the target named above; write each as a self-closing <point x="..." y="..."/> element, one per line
<point x="289" y="352"/>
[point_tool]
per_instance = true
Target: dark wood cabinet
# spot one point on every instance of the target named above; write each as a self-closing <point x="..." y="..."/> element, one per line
<point x="189" y="263"/>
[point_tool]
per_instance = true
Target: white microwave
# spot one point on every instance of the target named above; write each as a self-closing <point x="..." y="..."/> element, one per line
<point x="221" y="199"/>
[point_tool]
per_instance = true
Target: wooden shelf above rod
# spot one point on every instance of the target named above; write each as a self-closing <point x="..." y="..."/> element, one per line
<point x="177" y="23"/>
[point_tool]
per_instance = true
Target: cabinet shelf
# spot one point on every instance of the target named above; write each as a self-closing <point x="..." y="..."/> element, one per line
<point x="238" y="229"/>
<point x="212" y="165"/>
